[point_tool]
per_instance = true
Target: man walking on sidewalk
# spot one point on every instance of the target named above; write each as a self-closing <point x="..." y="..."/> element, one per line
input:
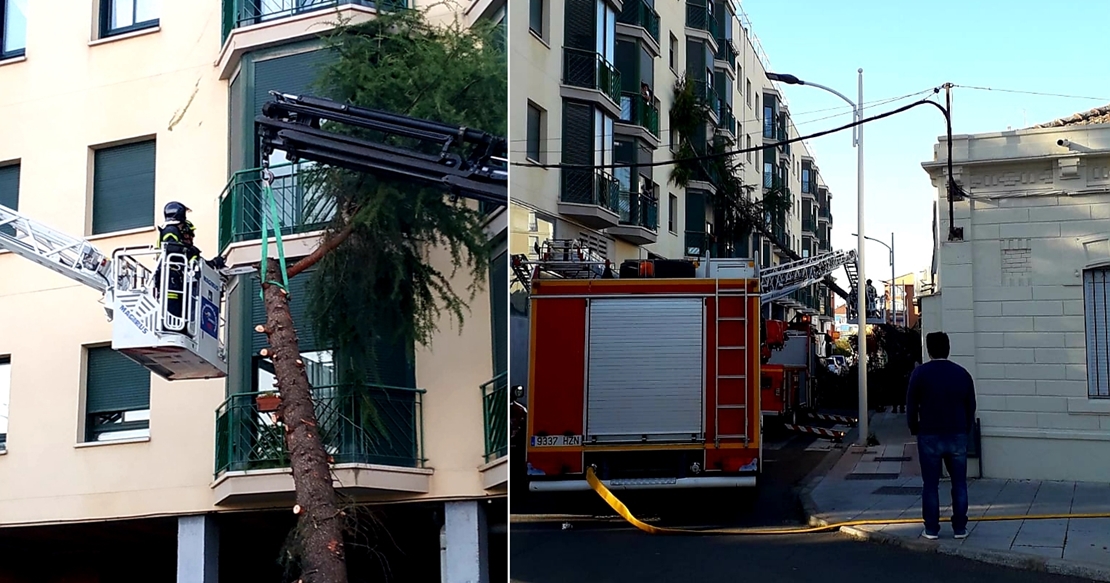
<point x="940" y="409"/>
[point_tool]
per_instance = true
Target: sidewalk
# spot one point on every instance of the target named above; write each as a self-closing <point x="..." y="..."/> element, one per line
<point x="885" y="481"/>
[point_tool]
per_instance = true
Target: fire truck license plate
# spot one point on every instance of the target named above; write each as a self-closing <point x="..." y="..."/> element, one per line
<point x="556" y="440"/>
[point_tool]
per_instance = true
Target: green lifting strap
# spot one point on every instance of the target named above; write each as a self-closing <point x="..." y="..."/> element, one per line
<point x="269" y="201"/>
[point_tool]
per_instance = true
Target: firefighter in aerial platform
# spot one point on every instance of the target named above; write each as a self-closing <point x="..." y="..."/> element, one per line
<point x="176" y="236"/>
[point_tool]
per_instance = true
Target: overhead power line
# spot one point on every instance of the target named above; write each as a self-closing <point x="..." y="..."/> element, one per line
<point x="1106" y="99"/>
<point x="731" y="152"/>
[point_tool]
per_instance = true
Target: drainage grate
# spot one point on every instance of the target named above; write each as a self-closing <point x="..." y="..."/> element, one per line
<point x="872" y="476"/>
<point x="893" y="459"/>
<point x="898" y="491"/>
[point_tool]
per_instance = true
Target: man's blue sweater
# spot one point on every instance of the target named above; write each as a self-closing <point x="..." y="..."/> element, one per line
<point x="940" y="399"/>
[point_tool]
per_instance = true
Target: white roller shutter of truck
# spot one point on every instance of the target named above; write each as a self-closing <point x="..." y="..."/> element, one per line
<point x="646" y="370"/>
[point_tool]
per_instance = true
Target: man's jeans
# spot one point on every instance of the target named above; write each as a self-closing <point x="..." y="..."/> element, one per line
<point x="952" y="450"/>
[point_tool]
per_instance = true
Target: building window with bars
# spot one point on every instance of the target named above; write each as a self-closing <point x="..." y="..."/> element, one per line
<point x="1096" y="310"/>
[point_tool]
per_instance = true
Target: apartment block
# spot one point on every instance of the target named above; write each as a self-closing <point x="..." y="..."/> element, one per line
<point x="113" y="108"/>
<point x="594" y="85"/>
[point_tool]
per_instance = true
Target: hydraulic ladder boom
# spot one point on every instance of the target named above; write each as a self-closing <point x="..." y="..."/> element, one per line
<point x="74" y="258"/>
<point x="783" y="280"/>
<point x="296" y="125"/>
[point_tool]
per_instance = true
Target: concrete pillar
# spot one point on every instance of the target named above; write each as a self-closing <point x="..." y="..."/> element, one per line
<point x="198" y="546"/>
<point x="466" y="541"/>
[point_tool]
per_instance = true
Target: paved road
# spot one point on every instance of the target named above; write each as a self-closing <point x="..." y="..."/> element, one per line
<point x="607" y="550"/>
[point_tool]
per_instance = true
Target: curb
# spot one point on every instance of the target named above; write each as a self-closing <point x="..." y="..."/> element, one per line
<point x="817" y="474"/>
<point x="1009" y="559"/>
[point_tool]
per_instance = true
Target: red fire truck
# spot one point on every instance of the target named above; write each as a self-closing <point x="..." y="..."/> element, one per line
<point x="652" y="377"/>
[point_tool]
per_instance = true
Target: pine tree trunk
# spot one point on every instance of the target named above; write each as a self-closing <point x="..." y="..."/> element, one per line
<point x="321" y="526"/>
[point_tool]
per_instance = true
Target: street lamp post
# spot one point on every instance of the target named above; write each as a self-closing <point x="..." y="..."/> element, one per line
<point x="890" y="249"/>
<point x="861" y="296"/>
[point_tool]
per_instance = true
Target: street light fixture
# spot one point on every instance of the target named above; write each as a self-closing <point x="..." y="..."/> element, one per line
<point x="861" y="304"/>
<point x="889" y="248"/>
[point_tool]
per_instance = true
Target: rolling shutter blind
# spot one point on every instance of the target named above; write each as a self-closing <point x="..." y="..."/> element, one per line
<point x="115" y="383"/>
<point x="294" y="74"/>
<point x="645" y="369"/>
<point x="499" y="300"/>
<point x="9" y="192"/>
<point x="123" y="188"/>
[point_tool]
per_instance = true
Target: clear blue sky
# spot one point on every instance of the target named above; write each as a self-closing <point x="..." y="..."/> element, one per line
<point x="1057" y="47"/>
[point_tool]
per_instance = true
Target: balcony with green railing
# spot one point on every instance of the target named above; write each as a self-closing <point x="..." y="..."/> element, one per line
<point x="707" y="94"/>
<point x="696" y="243"/>
<point x="699" y="16"/>
<point x="809" y="225"/>
<point x="638" y="111"/>
<point x="639" y="13"/>
<point x="639" y="210"/>
<point x="358" y="424"/>
<point x="822" y="211"/>
<point x="241" y="13"/>
<point x="727" y="120"/>
<point x="495" y="412"/>
<point x="590" y="70"/>
<point x="726" y="52"/>
<point x="591" y="196"/>
<point x="300" y="207"/>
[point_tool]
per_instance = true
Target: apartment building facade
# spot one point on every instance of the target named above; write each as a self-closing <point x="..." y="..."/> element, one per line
<point x="1021" y="292"/>
<point x="594" y="85"/>
<point x="111" y="110"/>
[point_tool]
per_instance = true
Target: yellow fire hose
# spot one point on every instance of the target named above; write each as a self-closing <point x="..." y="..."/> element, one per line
<point x="621" y="509"/>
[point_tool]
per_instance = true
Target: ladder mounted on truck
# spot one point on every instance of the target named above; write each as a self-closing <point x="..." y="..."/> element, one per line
<point x="186" y="345"/>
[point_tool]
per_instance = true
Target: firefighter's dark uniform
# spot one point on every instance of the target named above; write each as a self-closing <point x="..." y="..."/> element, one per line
<point x="171" y="237"/>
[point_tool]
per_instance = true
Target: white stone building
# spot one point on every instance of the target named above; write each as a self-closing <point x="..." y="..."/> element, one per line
<point x="1023" y="293"/>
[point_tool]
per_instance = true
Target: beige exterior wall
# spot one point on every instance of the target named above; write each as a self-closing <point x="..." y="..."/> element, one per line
<point x="69" y="95"/>
<point x="1012" y="294"/>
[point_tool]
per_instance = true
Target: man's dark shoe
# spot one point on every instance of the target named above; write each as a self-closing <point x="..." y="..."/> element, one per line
<point x="930" y="535"/>
<point x="961" y="534"/>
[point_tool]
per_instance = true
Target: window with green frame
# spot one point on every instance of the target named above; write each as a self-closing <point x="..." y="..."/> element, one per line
<point x="5" y="394"/>
<point x="498" y="297"/>
<point x="123" y="187"/>
<point x="123" y="16"/>
<point x="9" y="191"/>
<point x="13" y="28"/>
<point x="117" y="396"/>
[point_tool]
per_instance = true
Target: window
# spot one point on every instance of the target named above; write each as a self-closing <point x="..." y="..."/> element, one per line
<point x="533" y="222"/>
<point x="672" y="214"/>
<point x="499" y="298"/>
<point x="120" y="16"/>
<point x="117" y="396"/>
<point x="1095" y="306"/>
<point x="5" y="395"/>
<point x="748" y="92"/>
<point x="749" y="136"/>
<point x="674" y="52"/>
<point x="535" y="132"/>
<point x="536" y="17"/>
<point x="13" y="28"/>
<point x="123" y="188"/>
<point x="805" y="180"/>
<point x="9" y="192"/>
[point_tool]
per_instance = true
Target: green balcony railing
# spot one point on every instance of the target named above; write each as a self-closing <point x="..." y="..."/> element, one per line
<point x="822" y="211"/>
<point x="699" y="16"/>
<point x="240" y="13"/>
<point x="592" y="187"/>
<point x="591" y="70"/>
<point x="809" y="225"/>
<point x="697" y="242"/>
<point x="495" y="410"/>
<point x="639" y="210"/>
<point x="639" y="13"/>
<point x="639" y="111"/>
<point x="301" y="209"/>
<point x="366" y="424"/>
<point x="708" y="95"/>
<point x="727" y="118"/>
<point x="726" y="52"/>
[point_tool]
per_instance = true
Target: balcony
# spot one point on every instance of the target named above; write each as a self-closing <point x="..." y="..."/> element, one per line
<point x="639" y="218"/>
<point x="809" y="226"/>
<point x="241" y="13"/>
<point x="726" y="53"/>
<point x="708" y="95"/>
<point x="299" y="208"/>
<point x="697" y="243"/>
<point x="726" y="120"/>
<point x="641" y="114"/>
<point x="637" y="13"/>
<point x="591" y="197"/>
<point x="700" y="18"/>
<point x="822" y="212"/>
<point x="373" y="435"/>
<point x="495" y="413"/>
<point x="591" y="71"/>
